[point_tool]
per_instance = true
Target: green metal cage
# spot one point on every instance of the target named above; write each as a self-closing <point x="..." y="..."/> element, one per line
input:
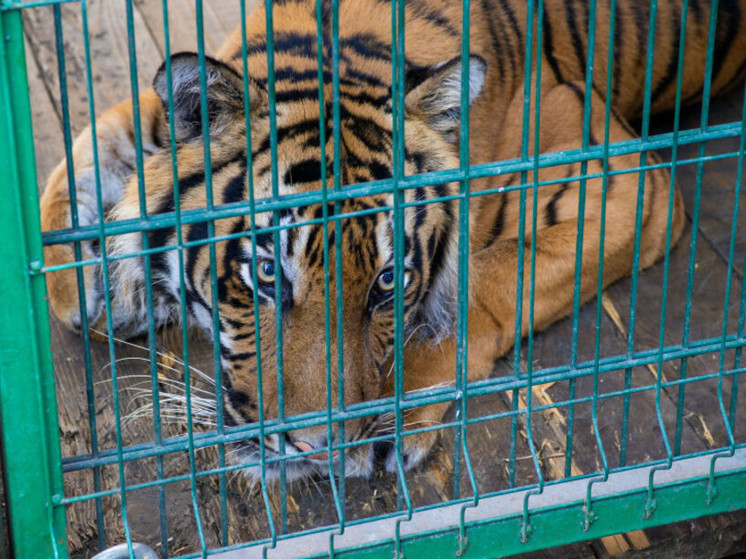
<point x="531" y="511"/>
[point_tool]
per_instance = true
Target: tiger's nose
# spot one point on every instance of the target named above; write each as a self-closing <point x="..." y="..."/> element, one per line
<point x="304" y="446"/>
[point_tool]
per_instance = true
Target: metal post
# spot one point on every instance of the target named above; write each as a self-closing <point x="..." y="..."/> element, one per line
<point x="31" y="451"/>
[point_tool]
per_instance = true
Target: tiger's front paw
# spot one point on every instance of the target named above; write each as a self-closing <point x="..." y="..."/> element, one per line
<point x="415" y="449"/>
<point x="62" y="287"/>
<point x="57" y="214"/>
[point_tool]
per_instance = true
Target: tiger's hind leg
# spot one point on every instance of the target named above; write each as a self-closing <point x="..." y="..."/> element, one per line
<point x="115" y="141"/>
<point x="493" y="269"/>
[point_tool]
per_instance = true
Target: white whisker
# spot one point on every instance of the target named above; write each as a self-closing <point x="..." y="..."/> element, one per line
<point x="170" y="356"/>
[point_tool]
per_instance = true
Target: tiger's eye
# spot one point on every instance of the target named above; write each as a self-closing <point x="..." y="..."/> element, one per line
<point x="265" y="271"/>
<point x="385" y="281"/>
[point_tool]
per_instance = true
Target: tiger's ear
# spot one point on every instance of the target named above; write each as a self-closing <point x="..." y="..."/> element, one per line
<point x="225" y="100"/>
<point x="434" y="93"/>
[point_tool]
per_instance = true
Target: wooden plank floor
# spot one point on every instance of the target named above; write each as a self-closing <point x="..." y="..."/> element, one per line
<point x="312" y="504"/>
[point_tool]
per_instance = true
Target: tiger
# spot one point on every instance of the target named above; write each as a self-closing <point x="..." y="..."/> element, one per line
<point x="250" y="269"/>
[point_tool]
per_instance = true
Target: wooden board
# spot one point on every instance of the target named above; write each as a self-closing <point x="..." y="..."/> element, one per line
<point x="312" y="504"/>
<point x="219" y="20"/>
<point x="720" y="185"/>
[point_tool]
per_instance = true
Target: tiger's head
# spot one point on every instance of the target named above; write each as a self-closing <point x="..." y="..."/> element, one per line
<point x="271" y="270"/>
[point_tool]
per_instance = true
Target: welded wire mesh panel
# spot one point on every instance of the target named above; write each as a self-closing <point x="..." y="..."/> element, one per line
<point x="370" y="278"/>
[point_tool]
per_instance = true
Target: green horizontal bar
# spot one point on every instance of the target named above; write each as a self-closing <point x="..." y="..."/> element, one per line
<point x="493" y="529"/>
<point x="348" y="445"/>
<point x="227" y="469"/>
<point x="487" y="386"/>
<point x="241" y="208"/>
<point x="555" y="526"/>
<point x="167" y="220"/>
<point x="7" y="5"/>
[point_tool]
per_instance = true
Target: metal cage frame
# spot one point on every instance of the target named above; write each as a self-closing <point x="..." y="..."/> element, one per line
<point x="522" y="518"/>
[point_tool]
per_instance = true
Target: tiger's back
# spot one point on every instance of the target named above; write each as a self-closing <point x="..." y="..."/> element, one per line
<point x="498" y="36"/>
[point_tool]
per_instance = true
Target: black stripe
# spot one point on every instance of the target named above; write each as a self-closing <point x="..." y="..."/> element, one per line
<point x="738" y="74"/>
<point x="374" y="137"/>
<point x="499" y="53"/>
<point x="294" y="74"/>
<point x="294" y="95"/>
<point x="577" y="90"/>
<point x="292" y="43"/>
<point x="549" y="50"/>
<point x="247" y="336"/>
<point x="198" y="231"/>
<point x="550" y="211"/>
<point x="617" y="70"/>
<point x="288" y="132"/>
<point x="431" y="15"/>
<point x="308" y="170"/>
<point x="497" y="226"/>
<point x="379" y="171"/>
<point x="623" y="123"/>
<point x="669" y="76"/>
<point x="364" y="96"/>
<point x="437" y="261"/>
<point x="238" y="356"/>
<point x="696" y="10"/>
<point x="365" y="45"/>
<point x="576" y="35"/>
<point x="507" y="9"/>
<point x="516" y="50"/>
<point x="232" y="253"/>
<point x="159" y="237"/>
<point x="641" y="26"/>
<point x="235" y="190"/>
<point x="238" y="398"/>
<point x="365" y="78"/>
<point x="729" y="13"/>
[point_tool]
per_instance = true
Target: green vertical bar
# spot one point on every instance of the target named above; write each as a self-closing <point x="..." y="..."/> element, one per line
<point x="338" y="491"/>
<point x="742" y="309"/>
<point x="254" y="295"/>
<point x="207" y="153"/>
<point x="338" y="257"/>
<point x="537" y="21"/>
<point x="217" y="360"/>
<point x="75" y="222"/>
<point x="651" y="505"/>
<point x="706" y="88"/>
<point x="690" y="275"/>
<point x="527" y="70"/>
<point x="588" y="514"/>
<point x="644" y="133"/>
<point x="28" y="409"/>
<point x="462" y="353"/>
<point x="278" y="259"/>
<point x="398" y="62"/>
<point x="152" y="353"/>
<point x="105" y="262"/>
